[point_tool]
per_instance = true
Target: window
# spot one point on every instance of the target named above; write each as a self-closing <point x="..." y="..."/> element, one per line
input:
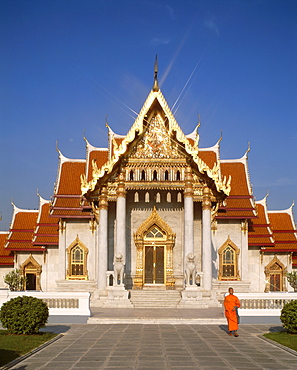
<point x="131" y="175"/>
<point x="228" y="260"/>
<point x="166" y="176"/>
<point x="155" y="175"/>
<point x="177" y="176"/>
<point x="136" y="197"/>
<point x="143" y="175"/>
<point x="77" y="261"/>
<point x="275" y="273"/>
<point x="155" y="233"/>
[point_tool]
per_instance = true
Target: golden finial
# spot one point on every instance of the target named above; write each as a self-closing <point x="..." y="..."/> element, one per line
<point x="221" y="137"/>
<point x="106" y="121"/>
<point x="156" y="85"/>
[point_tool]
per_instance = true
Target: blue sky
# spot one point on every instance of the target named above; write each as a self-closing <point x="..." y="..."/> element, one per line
<point x="67" y="64"/>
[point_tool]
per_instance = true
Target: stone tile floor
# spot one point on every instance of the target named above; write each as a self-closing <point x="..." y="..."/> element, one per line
<point x="159" y="346"/>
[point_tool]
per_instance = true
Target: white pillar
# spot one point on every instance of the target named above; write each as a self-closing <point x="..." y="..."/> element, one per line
<point x="102" y="239"/>
<point x="206" y="240"/>
<point x="243" y="266"/>
<point x="189" y="226"/>
<point x="121" y="218"/>
<point x="62" y="251"/>
<point x="188" y="215"/>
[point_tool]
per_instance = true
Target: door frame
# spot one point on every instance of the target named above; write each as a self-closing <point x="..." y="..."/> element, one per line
<point x="168" y="241"/>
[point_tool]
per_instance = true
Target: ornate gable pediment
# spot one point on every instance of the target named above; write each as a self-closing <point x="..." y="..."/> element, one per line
<point x="155" y="134"/>
<point x="156" y="142"/>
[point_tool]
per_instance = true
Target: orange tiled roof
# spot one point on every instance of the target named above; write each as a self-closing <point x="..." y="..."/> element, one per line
<point x="47" y="228"/>
<point x="284" y="230"/>
<point x="239" y="204"/>
<point x="22" y="230"/>
<point x="259" y="233"/>
<point x="6" y="256"/>
<point x="100" y="157"/>
<point x="67" y="197"/>
<point x="209" y="157"/>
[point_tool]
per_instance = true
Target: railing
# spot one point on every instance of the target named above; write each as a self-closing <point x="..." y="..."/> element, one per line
<point x="59" y="303"/>
<point x="264" y="304"/>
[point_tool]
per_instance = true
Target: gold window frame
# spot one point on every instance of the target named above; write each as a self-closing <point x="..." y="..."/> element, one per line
<point x="228" y="244"/>
<point x="84" y="276"/>
<point x="269" y="270"/>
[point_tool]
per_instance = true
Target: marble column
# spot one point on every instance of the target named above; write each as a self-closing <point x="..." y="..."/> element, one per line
<point x="102" y="239"/>
<point x="188" y="215"/>
<point x="62" y="250"/>
<point x="243" y="257"/>
<point x="121" y="218"/>
<point x="206" y="239"/>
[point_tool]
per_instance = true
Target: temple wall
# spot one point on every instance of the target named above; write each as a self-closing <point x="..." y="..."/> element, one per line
<point x="225" y="229"/>
<point x="3" y="271"/>
<point x="50" y="271"/>
<point x="88" y="238"/>
<point x="256" y="271"/>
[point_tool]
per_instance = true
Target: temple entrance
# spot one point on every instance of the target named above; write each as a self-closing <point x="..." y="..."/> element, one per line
<point x="154" y="265"/>
<point x="154" y="241"/>
<point x="32" y="271"/>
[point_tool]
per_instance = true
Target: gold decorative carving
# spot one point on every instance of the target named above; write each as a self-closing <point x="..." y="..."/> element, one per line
<point x="121" y="190"/>
<point x="156" y="142"/>
<point x="244" y="226"/>
<point x="92" y="225"/>
<point x="188" y="192"/>
<point x="168" y="241"/>
<point x="103" y="202"/>
<point x="214" y="225"/>
<point x="62" y="226"/>
<point x="206" y="202"/>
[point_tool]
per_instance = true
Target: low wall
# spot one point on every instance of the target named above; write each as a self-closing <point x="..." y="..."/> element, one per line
<point x="59" y="303"/>
<point x="263" y="307"/>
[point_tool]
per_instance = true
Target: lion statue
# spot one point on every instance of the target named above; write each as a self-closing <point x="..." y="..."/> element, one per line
<point x="190" y="270"/>
<point x="118" y="265"/>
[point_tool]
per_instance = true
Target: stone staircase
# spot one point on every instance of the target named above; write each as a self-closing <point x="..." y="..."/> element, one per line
<point x="156" y="298"/>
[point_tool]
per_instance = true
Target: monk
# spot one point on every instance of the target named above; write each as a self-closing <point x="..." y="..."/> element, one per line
<point x="231" y="304"/>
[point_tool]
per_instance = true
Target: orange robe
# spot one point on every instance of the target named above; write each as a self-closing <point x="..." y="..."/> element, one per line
<point x="230" y="302"/>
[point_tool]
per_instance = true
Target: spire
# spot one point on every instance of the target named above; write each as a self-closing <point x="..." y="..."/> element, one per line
<point x="156" y="85"/>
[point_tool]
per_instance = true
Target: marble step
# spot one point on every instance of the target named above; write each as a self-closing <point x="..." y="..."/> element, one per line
<point x="155" y="298"/>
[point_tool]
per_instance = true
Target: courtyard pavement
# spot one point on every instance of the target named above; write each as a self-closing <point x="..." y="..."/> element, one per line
<point x="159" y="346"/>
